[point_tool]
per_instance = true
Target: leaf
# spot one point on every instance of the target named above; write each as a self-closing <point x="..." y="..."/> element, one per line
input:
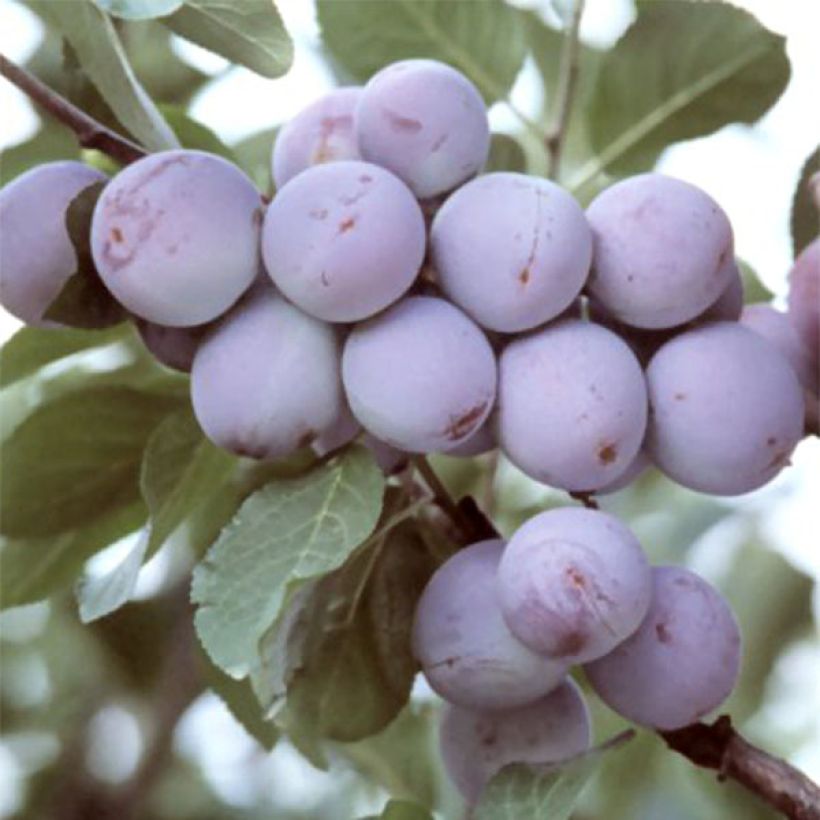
<point x="541" y="793"/>
<point x="485" y="40"/>
<point x="726" y="68"/>
<point x="84" y="301"/>
<point x="250" y="33"/>
<point x="403" y="810"/>
<point x="506" y="154"/>
<point x="51" y="143"/>
<point x="76" y="457"/>
<point x="288" y="532"/>
<point x="32" y="348"/>
<point x="753" y="288"/>
<point x="181" y="470"/>
<point x="253" y="155"/>
<point x="242" y="704"/>
<point x="34" y="569"/>
<point x="402" y="758"/>
<point x="805" y="214"/>
<point x="102" y="57"/>
<point x="139" y="9"/>
<point x="356" y="666"/>
<point x="100" y="596"/>
<point x="193" y="134"/>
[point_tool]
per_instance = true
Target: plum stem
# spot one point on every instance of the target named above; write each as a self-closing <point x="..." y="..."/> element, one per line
<point x="90" y="133"/>
<point x="567" y="83"/>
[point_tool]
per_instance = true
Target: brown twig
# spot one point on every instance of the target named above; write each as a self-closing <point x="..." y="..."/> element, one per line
<point x="718" y="746"/>
<point x="89" y="132"/>
<point x="567" y="82"/>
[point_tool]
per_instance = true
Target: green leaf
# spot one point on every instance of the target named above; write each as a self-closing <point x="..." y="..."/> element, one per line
<point x="541" y="793"/>
<point x="139" y="9"/>
<point x="181" y="470"/>
<point x="32" y="348"/>
<point x="36" y="568"/>
<point x="242" y="704"/>
<point x="356" y="666"/>
<point x="98" y="48"/>
<point x="52" y="142"/>
<point x="403" y="810"/>
<point x="193" y="134"/>
<point x="253" y="155"/>
<point x="100" y="596"/>
<point x="250" y="33"/>
<point x="726" y="68"/>
<point x="288" y="532"/>
<point x="76" y="457"/>
<point x="84" y="301"/>
<point x="506" y="154"/>
<point x="485" y="40"/>
<point x="402" y="758"/>
<point x="753" y="288"/>
<point x="805" y="218"/>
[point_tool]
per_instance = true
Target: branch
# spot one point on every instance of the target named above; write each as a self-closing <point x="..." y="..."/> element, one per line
<point x="567" y="82"/>
<point x="721" y="748"/>
<point x="90" y="133"/>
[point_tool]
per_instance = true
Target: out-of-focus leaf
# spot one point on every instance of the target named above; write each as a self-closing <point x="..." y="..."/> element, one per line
<point x="76" y="457"/>
<point x="250" y="33"/>
<point x="32" y="348"/>
<point x="139" y="9"/>
<point x="254" y="156"/>
<point x="356" y="667"/>
<point x="540" y="793"/>
<point x="288" y="532"/>
<point x="101" y="595"/>
<point x="506" y="154"/>
<point x="805" y="217"/>
<point x="51" y="143"/>
<point x="753" y="288"/>
<point x="402" y="757"/>
<point x="193" y="134"/>
<point x="181" y="470"/>
<point x="35" y="568"/>
<point x="242" y="704"/>
<point x="402" y="810"/>
<point x="84" y="301"/>
<point x="726" y="68"/>
<point x="485" y="40"/>
<point x="102" y="57"/>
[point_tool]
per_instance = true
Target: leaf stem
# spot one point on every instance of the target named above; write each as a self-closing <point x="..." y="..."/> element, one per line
<point x="90" y="133"/>
<point x="443" y="499"/>
<point x="567" y="84"/>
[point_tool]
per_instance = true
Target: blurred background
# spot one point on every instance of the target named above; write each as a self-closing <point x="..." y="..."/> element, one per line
<point x="83" y="707"/>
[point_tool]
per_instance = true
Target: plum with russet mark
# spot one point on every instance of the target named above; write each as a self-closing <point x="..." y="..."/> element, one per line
<point x="175" y="237"/>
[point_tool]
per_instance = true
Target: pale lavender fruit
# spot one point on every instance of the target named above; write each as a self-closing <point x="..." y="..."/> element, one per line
<point x="475" y="745"/>
<point x="660" y="252"/>
<point x="683" y="661"/>
<point x="426" y="122"/>
<point x="513" y="251"/>
<point x="175" y="347"/>
<point x="483" y="441"/>
<point x="573" y="583"/>
<point x="37" y="257"/>
<point x="343" y="430"/>
<point x="640" y="464"/>
<point x="726" y="409"/>
<point x="343" y="240"/>
<point x="266" y="380"/>
<point x="729" y="305"/>
<point x="322" y="132"/>
<point x="389" y="459"/>
<point x="420" y="376"/>
<point x="804" y="299"/>
<point x="465" y="649"/>
<point x="571" y="405"/>
<point x="777" y="329"/>
<point x="175" y="236"/>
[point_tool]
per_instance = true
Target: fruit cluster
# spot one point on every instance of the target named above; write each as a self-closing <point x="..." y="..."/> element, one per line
<point x="391" y="289"/>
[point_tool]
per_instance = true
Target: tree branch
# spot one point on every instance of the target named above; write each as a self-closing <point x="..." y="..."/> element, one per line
<point x="90" y="133"/>
<point x="567" y="82"/>
<point x="718" y="746"/>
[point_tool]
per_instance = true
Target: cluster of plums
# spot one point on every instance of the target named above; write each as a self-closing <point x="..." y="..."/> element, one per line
<point x="391" y="289"/>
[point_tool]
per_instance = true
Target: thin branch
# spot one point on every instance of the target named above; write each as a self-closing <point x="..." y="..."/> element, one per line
<point x="90" y="133"/>
<point x="567" y="83"/>
<point x="718" y="746"/>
